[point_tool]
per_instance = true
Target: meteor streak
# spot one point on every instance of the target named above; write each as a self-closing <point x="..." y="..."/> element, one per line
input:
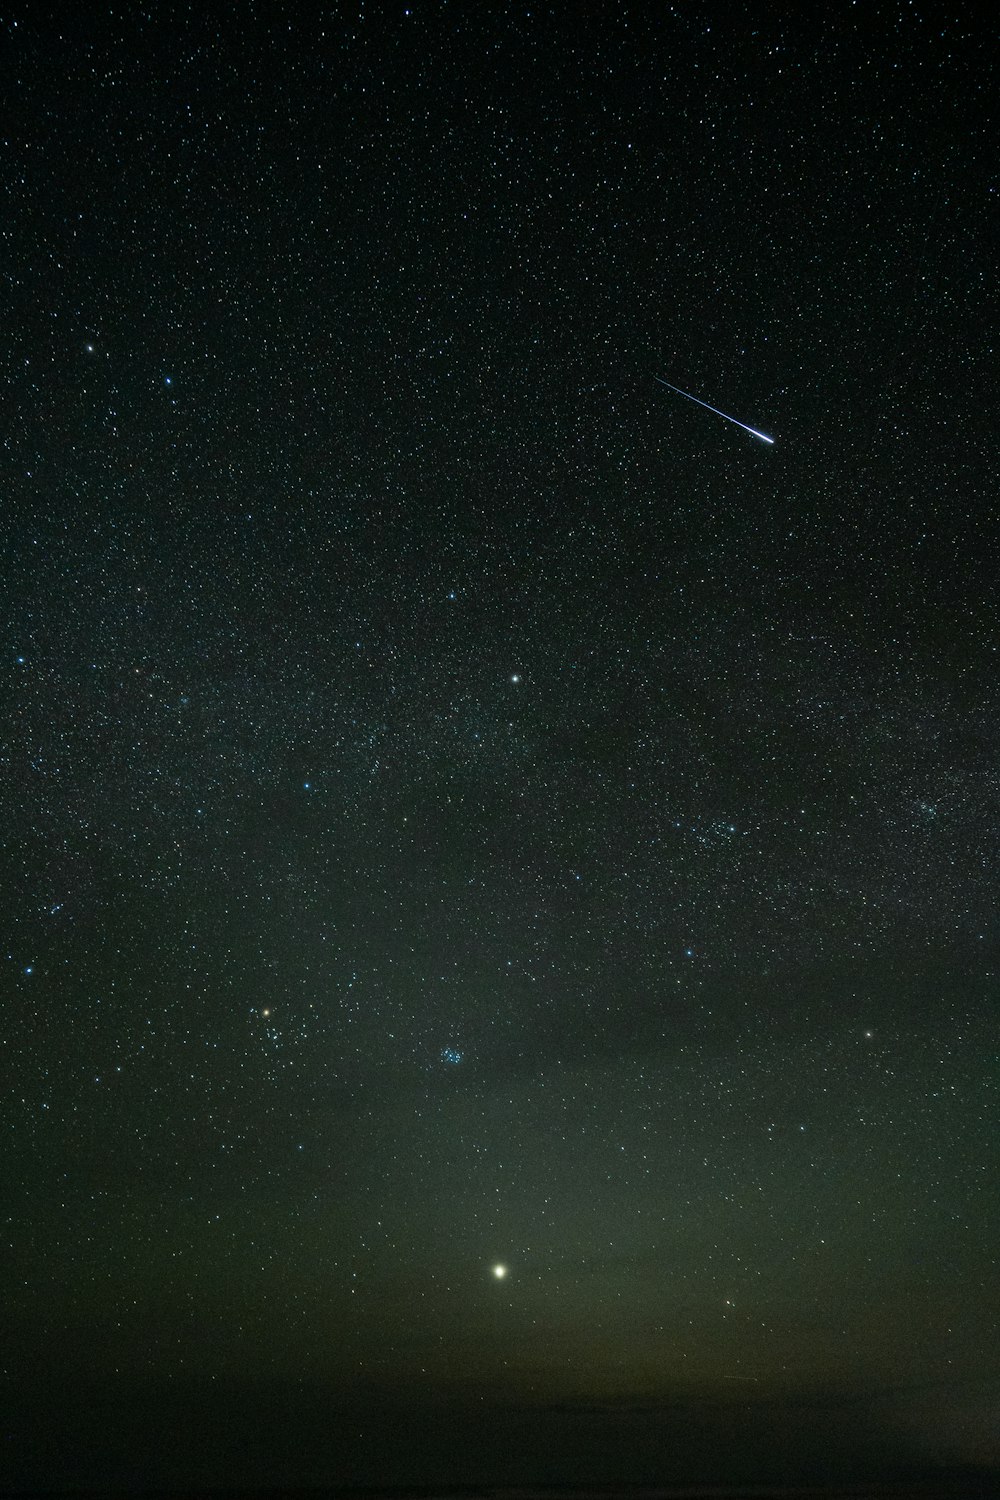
<point x="762" y="435"/>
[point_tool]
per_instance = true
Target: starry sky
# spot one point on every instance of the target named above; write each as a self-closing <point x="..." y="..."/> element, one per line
<point x="500" y="945"/>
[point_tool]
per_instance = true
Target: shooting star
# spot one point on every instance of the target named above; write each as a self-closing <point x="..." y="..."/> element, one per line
<point x="762" y="435"/>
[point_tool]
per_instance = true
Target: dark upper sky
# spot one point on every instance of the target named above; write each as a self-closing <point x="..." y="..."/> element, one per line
<point x="465" y="806"/>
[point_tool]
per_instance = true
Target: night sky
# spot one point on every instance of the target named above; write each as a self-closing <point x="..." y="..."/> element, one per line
<point x="499" y="944"/>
